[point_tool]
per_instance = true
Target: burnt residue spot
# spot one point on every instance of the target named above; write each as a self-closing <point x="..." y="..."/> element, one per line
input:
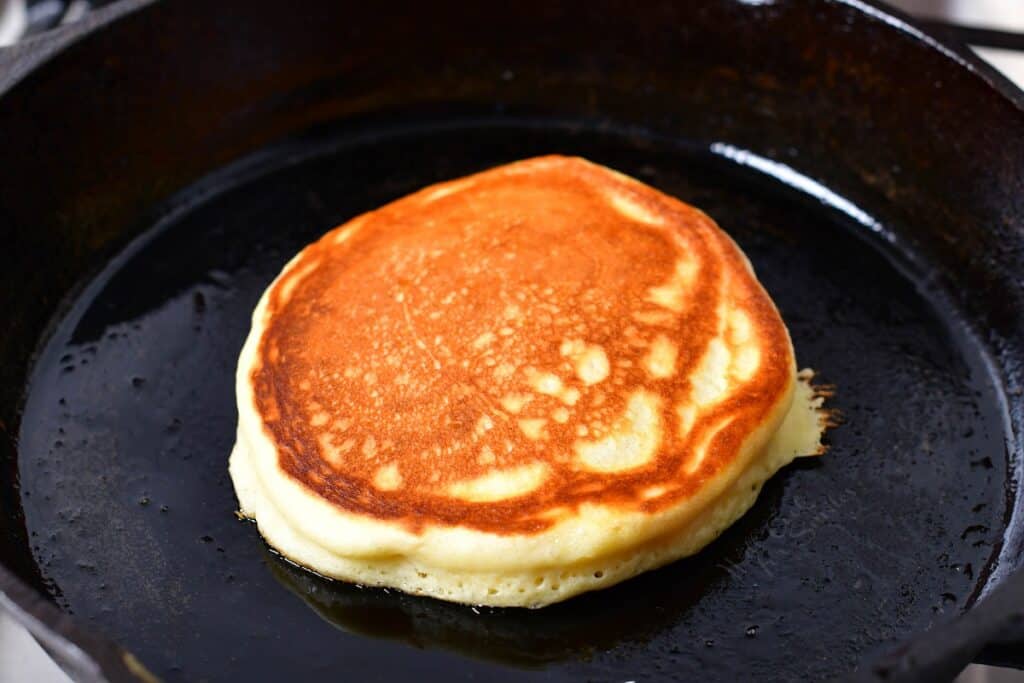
<point x="973" y="529"/>
<point x="198" y="303"/>
<point x="985" y="462"/>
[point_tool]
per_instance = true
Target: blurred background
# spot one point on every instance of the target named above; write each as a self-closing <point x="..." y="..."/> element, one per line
<point x="994" y="28"/>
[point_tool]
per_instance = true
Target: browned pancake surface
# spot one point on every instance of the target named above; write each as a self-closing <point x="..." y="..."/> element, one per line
<point x="493" y="324"/>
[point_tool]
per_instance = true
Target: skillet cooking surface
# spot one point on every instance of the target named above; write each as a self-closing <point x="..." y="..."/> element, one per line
<point x="130" y="416"/>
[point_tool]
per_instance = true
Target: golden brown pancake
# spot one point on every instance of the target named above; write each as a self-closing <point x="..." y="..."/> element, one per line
<point x="513" y="387"/>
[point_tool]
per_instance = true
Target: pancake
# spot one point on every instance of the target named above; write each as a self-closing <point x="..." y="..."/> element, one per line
<point x="514" y="387"/>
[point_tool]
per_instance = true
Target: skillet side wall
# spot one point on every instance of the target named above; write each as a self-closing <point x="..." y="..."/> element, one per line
<point x="123" y="119"/>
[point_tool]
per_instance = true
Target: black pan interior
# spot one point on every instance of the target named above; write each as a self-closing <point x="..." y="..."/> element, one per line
<point x="874" y="179"/>
<point x="130" y="416"/>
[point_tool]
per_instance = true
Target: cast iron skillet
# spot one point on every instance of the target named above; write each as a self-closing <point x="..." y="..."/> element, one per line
<point x="161" y="164"/>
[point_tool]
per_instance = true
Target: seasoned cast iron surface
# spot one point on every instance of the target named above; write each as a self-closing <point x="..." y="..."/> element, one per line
<point x="130" y="417"/>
